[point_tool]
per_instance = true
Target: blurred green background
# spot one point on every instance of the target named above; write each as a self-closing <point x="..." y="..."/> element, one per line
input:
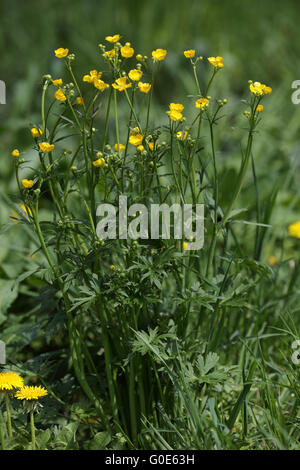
<point x="259" y="40"/>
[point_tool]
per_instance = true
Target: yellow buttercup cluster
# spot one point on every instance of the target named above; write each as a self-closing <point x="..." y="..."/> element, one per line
<point x="175" y="111"/>
<point x="216" y="61"/>
<point x="95" y="78"/>
<point x="259" y="89"/>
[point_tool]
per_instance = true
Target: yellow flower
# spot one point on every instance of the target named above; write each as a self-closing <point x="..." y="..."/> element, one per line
<point x="79" y="100"/>
<point x="140" y="148"/>
<point x="27" y="183"/>
<point x="99" y="162"/>
<point x="31" y="393"/>
<point x="26" y="209"/>
<point x="144" y="87"/>
<point x="181" y="135"/>
<point x="112" y="267"/>
<point x="135" y="75"/>
<point x="272" y="260"/>
<point x="216" y="61"/>
<point x="110" y="54"/>
<point x="114" y="38"/>
<point x="136" y="139"/>
<point x="46" y="147"/>
<point x="61" y="52"/>
<point x="121" y="147"/>
<point x="100" y="84"/>
<point x="36" y="132"/>
<point x="259" y="89"/>
<point x="189" y="54"/>
<point x="135" y="131"/>
<point x="57" y="82"/>
<point x="10" y="380"/>
<point x="15" y="153"/>
<point x="259" y="108"/>
<point x="159" y="54"/>
<point x="121" y="84"/>
<point x="59" y="95"/>
<point x="127" y="51"/>
<point x="94" y="75"/>
<point x="152" y="146"/>
<point x="202" y="103"/>
<point x="176" y="107"/>
<point x="294" y="229"/>
<point x="175" y="111"/>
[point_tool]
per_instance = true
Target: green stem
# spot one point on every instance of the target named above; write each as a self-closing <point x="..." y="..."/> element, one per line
<point x="8" y="415"/>
<point x="32" y="428"/>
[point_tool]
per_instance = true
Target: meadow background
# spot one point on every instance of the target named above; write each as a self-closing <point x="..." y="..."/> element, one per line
<point x="258" y="40"/>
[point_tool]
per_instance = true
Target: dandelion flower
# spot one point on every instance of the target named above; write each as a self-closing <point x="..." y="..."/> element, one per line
<point x="114" y="38"/>
<point x="189" y="54"/>
<point x="294" y="229"/>
<point x="61" y="52"/>
<point x="159" y="54"/>
<point x="10" y="381"/>
<point x="31" y="393"/>
<point x="127" y="51"/>
<point x="59" y="95"/>
<point x="27" y="183"/>
<point x="15" y="153"/>
<point x="135" y="75"/>
<point x="144" y="87"/>
<point x="46" y="147"/>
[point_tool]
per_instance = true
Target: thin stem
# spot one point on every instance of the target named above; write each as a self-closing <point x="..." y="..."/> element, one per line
<point x="8" y="415"/>
<point x="32" y="428"/>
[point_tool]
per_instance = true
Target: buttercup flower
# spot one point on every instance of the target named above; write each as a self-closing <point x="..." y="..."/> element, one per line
<point x="46" y="147"/>
<point x="136" y="139"/>
<point x="259" y="108"/>
<point x="144" y="87"/>
<point x="36" y="132"/>
<point x="15" y="153"/>
<point x="121" y="84"/>
<point x="57" y="82"/>
<point x="59" y="95"/>
<point x="110" y="54"/>
<point x="121" y="147"/>
<point x="135" y="75"/>
<point x="202" y="103"/>
<point x="61" y="52"/>
<point x="159" y="54"/>
<point x="152" y="146"/>
<point x="140" y="148"/>
<point x="175" y="111"/>
<point x="79" y="100"/>
<point x="216" y="61"/>
<point x="272" y="260"/>
<point x="259" y="89"/>
<point x="127" y="51"/>
<point x="294" y="229"/>
<point x="99" y="162"/>
<point x="94" y="74"/>
<point x="114" y="38"/>
<point x="189" y="54"/>
<point x="27" y="183"/>
<point x="10" y="381"/>
<point x="181" y="135"/>
<point x="100" y="84"/>
<point x="31" y="393"/>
